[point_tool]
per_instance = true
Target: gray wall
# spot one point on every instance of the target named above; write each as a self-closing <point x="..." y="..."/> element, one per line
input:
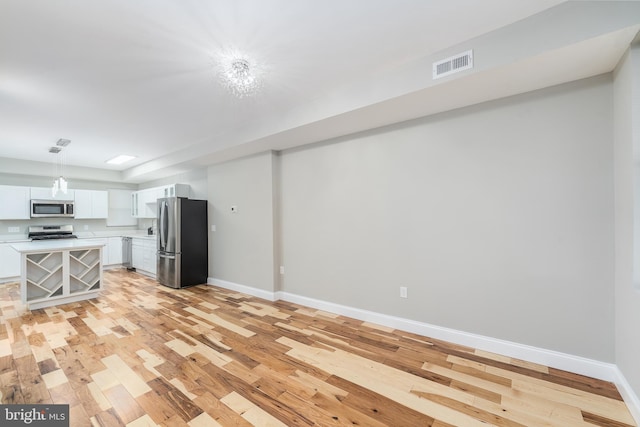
<point x="627" y="221"/>
<point x="498" y="218"/>
<point x="242" y="249"/>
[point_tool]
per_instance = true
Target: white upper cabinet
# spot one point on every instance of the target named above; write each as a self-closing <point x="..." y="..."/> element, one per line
<point x="91" y="204"/>
<point x="120" y="208"/>
<point x="44" y="193"/>
<point x="144" y="202"/>
<point x="175" y="190"/>
<point x="14" y="202"/>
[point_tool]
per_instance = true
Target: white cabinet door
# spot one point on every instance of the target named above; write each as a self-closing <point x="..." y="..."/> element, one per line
<point x="144" y="202"/>
<point x="149" y="261"/>
<point x="134" y="204"/>
<point x="9" y="261"/>
<point x="137" y="254"/>
<point x="151" y="197"/>
<point x="114" y="248"/>
<point x="91" y="204"/>
<point x="82" y="205"/>
<point x="100" y="204"/>
<point x="15" y="202"/>
<point x="120" y="208"/>
<point x="143" y="254"/>
<point x="180" y="190"/>
<point x="44" y="193"/>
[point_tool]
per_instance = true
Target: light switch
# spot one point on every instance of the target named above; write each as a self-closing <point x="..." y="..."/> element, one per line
<point x="213" y="227"/>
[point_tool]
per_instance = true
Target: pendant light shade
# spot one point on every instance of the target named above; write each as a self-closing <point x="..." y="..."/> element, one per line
<point x="60" y="182"/>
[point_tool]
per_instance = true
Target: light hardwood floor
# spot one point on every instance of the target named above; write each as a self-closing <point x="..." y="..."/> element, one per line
<point x="144" y="355"/>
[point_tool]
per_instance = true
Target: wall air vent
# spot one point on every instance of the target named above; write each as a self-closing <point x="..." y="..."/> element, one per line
<point x="454" y="64"/>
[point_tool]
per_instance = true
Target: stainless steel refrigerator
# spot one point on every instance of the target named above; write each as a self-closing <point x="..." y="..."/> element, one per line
<point x="182" y="242"/>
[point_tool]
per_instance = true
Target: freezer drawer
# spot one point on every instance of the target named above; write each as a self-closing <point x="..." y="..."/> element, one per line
<point x="168" y="269"/>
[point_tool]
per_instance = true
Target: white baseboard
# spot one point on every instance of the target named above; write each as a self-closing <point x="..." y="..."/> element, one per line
<point x="584" y="366"/>
<point x="271" y="296"/>
<point x="567" y="362"/>
<point x="629" y="396"/>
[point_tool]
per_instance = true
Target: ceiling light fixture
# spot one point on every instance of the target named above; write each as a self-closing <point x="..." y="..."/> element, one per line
<point x="60" y="184"/>
<point x="118" y="160"/>
<point x="241" y="75"/>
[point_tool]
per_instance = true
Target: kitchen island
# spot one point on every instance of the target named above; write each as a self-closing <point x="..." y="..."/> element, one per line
<point x="57" y="272"/>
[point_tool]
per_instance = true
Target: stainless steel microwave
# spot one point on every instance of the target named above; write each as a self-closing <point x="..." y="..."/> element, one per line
<point x="52" y="208"/>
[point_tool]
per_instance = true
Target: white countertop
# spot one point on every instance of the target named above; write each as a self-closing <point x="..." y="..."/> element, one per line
<point x="56" y="245"/>
<point x="10" y="238"/>
<point x="139" y="234"/>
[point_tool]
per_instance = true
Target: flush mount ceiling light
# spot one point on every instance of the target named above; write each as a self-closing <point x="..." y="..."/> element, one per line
<point x="118" y="160"/>
<point x="240" y="74"/>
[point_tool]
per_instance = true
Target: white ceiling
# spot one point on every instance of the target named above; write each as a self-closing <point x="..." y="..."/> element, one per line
<point x="137" y="77"/>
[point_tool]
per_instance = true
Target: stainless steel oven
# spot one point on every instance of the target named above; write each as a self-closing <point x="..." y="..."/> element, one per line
<point x="52" y="208"/>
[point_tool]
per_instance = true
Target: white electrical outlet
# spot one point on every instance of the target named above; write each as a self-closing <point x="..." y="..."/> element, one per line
<point x="403" y="292"/>
<point x="282" y="269"/>
<point x="13" y="229"/>
<point x="213" y="227"/>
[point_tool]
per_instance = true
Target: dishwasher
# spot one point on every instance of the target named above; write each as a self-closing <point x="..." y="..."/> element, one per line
<point x="127" y="254"/>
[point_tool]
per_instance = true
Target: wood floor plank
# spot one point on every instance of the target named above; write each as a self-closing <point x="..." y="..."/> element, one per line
<point x="525" y="407"/>
<point x="220" y="412"/>
<point x="378" y="407"/>
<point x="124" y="405"/>
<point x="373" y="376"/>
<point x="250" y="411"/>
<point x="142" y="354"/>
<point x="159" y="413"/>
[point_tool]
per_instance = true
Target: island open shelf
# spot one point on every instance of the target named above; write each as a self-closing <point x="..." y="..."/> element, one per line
<point x="59" y="272"/>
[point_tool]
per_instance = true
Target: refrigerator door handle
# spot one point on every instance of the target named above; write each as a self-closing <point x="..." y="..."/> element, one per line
<point x="167" y="256"/>
<point x="163" y="225"/>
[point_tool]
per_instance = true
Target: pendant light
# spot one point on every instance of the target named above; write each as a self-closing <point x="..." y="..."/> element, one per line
<point x="60" y="183"/>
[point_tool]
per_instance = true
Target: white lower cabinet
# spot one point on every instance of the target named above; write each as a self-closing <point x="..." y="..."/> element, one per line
<point x="10" y="264"/>
<point x="137" y="255"/>
<point x="149" y="257"/>
<point x="59" y="277"/>
<point x="114" y="248"/>
<point x="143" y="255"/>
<point x="112" y="252"/>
